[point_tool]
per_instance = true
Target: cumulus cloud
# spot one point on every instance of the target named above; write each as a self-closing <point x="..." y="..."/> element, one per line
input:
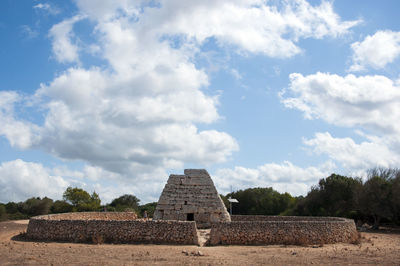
<point x="375" y="51"/>
<point x="62" y="35"/>
<point x="21" y="180"/>
<point x="138" y="114"/>
<point x="96" y="117"/>
<point x="110" y="9"/>
<point x="376" y="152"/>
<point x="110" y="185"/>
<point x="371" y="102"/>
<point x="133" y="119"/>
<point x="19" y="133"/>
<point x="284" y="177"/>
<point x="250" y="26"/>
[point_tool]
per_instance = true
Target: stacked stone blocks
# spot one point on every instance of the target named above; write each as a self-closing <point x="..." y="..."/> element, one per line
<point x="191" y="196"/>
<point x="117" y="228"/>
<point x="287" y="230"/>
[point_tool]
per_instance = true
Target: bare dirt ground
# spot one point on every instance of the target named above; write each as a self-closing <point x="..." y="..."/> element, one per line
<point x="382" y="248"/>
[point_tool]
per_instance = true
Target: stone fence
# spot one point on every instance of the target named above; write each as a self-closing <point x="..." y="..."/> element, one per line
<point x="114" y="227"/>
<point x="269" y="230"/>
<point x="282" y="218"/>
<point x="91" y="216"/>
<point x="110" y="228"/>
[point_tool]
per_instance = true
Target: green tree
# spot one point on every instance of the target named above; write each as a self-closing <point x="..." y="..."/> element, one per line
<point x="61" y="206"/>
<point x="337" y="194"/>
<point x="261" y="201"/>
<point x="149" y="207"/>
<point x="82" y="200"/>
<point x="310" y="205"/>
<point x="94" y="203"/>
<point x="3" y="212"/>
<point x="37" y="206"/>
<point x="15" y="211"/>
<point x="395" y="199"/>
<point x="333" y="196"/>
<point x="375" y="196"/>
<point x="126" y="202"/>
<point x="11" y="207"/>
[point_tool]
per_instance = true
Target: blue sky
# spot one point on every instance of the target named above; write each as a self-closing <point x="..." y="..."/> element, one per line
<point x="114" y="96"/>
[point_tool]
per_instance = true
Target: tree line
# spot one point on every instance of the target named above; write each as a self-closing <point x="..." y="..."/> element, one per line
<point x="375" y="200"/>
<point x="74" y="200"/>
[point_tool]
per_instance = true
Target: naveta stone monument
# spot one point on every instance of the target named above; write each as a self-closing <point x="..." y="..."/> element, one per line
<point x="191" y="197"/>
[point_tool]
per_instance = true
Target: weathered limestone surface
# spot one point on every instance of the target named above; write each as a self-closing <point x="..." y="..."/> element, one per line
<point x="192" y="195"/>
<point x="110" y="228"/>
<point x="268" y="230"/>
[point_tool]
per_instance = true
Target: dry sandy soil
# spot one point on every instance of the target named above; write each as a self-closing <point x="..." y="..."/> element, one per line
<point x="381" y="248"/>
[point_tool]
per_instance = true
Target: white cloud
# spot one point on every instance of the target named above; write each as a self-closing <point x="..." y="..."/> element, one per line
<point x="355" y="157"/>
<point x="110" y="185"/>
<point x="109" y="9"/>
<point x="143" y="189"/>
<point x="21" y="180"/>
<point x="18" y="132"/>
<point x="62" y="35"/>
<point x="137" y="116"/>
<point x="51" y="9"/>
<point x="132" y="125"/>
<point x="284" y="177"/>
<point x="235" y="73"/>
<point x="371" y="102"/>
<point x="28" y="32"/>
<point x="251" y="26"/>
<point x="376" y="51"/>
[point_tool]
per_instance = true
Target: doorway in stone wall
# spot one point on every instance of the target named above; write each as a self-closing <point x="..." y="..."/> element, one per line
<point x="190" y="217"/>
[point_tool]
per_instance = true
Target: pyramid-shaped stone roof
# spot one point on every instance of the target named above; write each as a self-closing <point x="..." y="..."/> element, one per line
<point x="191" y="197"/>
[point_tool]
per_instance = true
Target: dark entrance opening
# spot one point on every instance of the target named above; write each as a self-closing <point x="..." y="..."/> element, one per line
<point x="190" y="217"/>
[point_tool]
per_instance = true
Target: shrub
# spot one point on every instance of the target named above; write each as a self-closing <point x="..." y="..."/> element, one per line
<point x="61" y="206"/>
<point x="3" y="212"/>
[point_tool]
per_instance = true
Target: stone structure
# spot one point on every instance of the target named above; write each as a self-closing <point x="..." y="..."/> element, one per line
<point x="105" y="216"/>
<point x="287" y="230"/>
<point x="110" y="228"/>
<point x="188" y="202"/>
<point x="191" y="197"/>
<point x="242" y="230"/>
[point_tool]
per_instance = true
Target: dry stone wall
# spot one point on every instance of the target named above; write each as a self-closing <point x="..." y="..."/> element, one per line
<point x="92" y="216"/>
<point x="242" y="230"/>
<point x="269" y="230"/>
<point x="110" y="228"/>
<point x="282" y="218"/>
